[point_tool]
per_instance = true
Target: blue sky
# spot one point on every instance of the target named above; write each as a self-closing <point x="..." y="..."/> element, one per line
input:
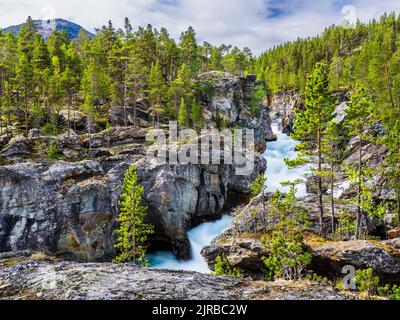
<point x="258" y="24"/>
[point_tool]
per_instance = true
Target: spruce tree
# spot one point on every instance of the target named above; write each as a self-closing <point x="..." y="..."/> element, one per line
<point x="133" y="231"/>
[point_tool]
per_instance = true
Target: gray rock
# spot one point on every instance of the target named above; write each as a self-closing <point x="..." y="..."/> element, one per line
<point x="330" y="258"/>
<point x="40" y="280"/>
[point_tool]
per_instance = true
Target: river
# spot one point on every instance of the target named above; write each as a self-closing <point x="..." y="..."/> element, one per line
<point x="203" y="234"/>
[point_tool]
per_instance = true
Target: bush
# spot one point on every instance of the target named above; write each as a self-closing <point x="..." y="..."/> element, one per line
<point x="52" y="153"/>
<point x="395" y="292"/>
<point x="287" y="258"/>
<point x="49" y="129"/>
<point x="367" y="281"/>
<point x="223" y="267"/>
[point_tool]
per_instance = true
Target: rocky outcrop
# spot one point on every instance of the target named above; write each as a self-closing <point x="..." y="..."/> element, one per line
<point x="282" y="107"/>
<point x="329" y="258"/>
<point x="242" y="253"/>
<point x="241" y="244"/>
<point x="47" y="280"/>
<point x="229" y="101"/>
<point x="68" y="206"/>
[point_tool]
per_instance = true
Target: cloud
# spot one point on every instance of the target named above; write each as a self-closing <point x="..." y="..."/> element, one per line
<point x="258" y="24"/>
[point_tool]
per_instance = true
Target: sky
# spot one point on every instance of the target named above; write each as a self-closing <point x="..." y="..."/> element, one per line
<point x="257" y="24"/>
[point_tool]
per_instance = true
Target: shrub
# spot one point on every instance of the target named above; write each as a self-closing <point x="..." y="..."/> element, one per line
<point x="287" y="258"/>
<point x="52" y="153"/>
<point x="223" y="267"/>
<point x="367" y="281"/>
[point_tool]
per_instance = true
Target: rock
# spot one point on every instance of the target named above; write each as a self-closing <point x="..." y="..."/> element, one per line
<point x="44" y="280"/>
<point x="331" y="257"/>
<point x="17" y="148"/>
<point x="312" y="185"/>
<point x="117" y="116"/>
<point x="76" y="119"/>
<point x="393" y="234"/>
<point x="35" y="133"/>
<point x="69" y="207"/>
<point x="230" y="101"/>
<point x="243" y="253"/>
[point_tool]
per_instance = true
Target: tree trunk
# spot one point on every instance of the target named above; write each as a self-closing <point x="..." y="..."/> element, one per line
<point x="359" y="210"/>
<point x="319" y="167"/>
<point x="398" y="202"/>
<point x="125" y="96"/>
<point x="332" y="199"/>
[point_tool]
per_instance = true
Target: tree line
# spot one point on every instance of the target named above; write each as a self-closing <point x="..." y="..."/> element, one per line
<point x="118" y="67"/>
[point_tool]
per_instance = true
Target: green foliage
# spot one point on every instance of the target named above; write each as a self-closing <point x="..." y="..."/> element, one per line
<point x="183" y="117"/>
<point x="256" y="99"/>
<point x="49" y="129"/>
<point x="395" y="292"/>
<point x="223" y="267"/>
<point x="133" y="231"/>
<point x="366" y="281"/>
<point x="346" y="226"/>
<point x="287" y="258"/>
<point x="309" y="127"/>
<point x="258" y="186"/>
<point x="52" y="153"/>
<point x="284" y="243"/>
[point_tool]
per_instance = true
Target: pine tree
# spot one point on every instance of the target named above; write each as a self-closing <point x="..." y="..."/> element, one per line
<point x="133" y="231"/>
<point x="183" y="118"/>
<point x="196" y="115"/>
<point x="156" y="91"/>
<point x="333" y="156"/>
<point x="24" y="69"/>
<point x="309" y="127"/>
<point x="357" y="121"/>
<point x="190" y="51"/>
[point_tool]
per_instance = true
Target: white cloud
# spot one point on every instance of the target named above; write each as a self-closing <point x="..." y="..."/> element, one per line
<point x="258" y="24"/>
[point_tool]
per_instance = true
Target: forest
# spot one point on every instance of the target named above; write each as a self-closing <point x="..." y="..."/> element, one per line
<point x="116" y="68"/>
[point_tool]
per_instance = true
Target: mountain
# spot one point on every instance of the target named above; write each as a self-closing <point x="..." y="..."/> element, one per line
<point x="46" y="27"/>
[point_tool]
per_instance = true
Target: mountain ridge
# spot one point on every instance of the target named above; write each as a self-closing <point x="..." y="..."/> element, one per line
<point x="47" y="27"/>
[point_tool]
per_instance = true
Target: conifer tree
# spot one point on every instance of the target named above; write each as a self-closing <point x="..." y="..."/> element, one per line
<point x="183" y="118"/>
<point x="190" y="51"/>
<point x="196" y="115"/>
<point x="309" y="127"/>
<point x="133" y="230"/>
<point x="156" y="91"/>
<point x="358" y="120"/>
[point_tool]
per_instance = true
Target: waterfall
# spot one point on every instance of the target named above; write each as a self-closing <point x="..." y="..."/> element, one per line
<point x="203" y="234"/>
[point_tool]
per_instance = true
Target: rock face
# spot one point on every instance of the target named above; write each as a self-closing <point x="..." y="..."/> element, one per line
<point x="45" y="280"/>
<point x="69" y="206"/>
<point x="229" y="102"/>
<point x="282" y="107"/>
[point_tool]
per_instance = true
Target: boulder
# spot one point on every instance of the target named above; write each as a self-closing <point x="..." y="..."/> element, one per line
<point x="17" y="148"/>
<point x="243" y="253"/>
<point x="329" y="258"/>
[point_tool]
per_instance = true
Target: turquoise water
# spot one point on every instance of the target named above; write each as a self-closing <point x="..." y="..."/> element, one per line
<point x="199" y="237"/>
